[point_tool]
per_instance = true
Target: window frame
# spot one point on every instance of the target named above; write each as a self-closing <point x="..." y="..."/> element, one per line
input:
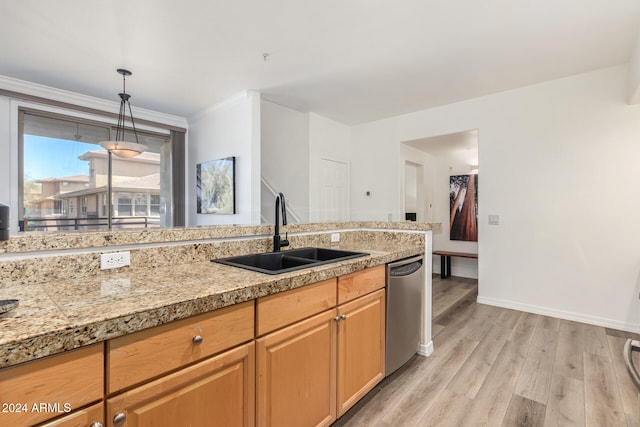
<point x="20" y="108"/>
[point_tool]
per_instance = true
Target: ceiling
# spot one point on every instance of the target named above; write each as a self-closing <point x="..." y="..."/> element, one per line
<point x="444" y="144"/>
<point x="462" y="146"/>
<point x="350" y="60"/>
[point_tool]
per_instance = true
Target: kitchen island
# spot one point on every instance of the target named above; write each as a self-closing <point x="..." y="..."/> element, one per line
<point x="167" y="281"/>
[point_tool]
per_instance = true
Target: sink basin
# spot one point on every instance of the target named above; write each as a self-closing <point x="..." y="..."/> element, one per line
<point x="291" y="260"/>
<point x="270" y="263"/>
<point x="324" y="254"/>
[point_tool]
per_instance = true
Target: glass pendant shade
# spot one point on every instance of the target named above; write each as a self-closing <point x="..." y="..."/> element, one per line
<point x="124" y="149"/>
<point x="119" y="146"/>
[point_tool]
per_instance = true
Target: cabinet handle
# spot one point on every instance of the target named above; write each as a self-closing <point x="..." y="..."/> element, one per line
<point x="337" y="318"/>
<point x="343" y="317"/>
<point x="96" y="424"/>
<point x="197" y="339"/>
<point x="119" y="419"/>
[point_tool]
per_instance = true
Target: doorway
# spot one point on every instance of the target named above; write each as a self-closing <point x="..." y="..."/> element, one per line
<point x="442" y="158"/>
<point x="334" y="193"/>
<point x="413" y="191"/>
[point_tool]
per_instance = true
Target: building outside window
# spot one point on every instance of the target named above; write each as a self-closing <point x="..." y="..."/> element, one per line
<point x="123" y="207"/>
<point x="64" y="174"/>
<point x="141" y="204"/>
<point x="154" y="205"/>
<point x="83" y="206"/>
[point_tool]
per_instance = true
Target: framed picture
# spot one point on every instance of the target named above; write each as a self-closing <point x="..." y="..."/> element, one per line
<point x="463" y="202"/>
<point x="215" y="186"/>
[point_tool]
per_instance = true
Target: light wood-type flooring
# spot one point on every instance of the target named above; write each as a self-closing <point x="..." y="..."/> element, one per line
<point x="499" y="367"/>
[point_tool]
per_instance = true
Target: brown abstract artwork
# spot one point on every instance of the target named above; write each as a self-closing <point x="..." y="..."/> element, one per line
<point x="463" y="202"/>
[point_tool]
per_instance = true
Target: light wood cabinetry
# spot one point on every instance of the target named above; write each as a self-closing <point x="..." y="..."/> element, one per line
<point x="43" y="389"/>
<point x="92" y="416"/>
<point x="361" y="348"/>
<point x="311" y="372"/>
<point x="217" y="391"/>
<point x="319" y="349"/>
<point x="296" y="381"/>
<point x="354" y="285"/>
<point x="143" y="355"/>
<point x="276" y="311"/>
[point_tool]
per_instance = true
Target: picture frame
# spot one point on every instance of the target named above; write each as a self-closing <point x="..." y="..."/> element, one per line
<point x="215" y="186"/>
<point x="463" y="204"/>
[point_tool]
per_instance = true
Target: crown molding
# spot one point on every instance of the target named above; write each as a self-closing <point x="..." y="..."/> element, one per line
<point x="31" y="90"/>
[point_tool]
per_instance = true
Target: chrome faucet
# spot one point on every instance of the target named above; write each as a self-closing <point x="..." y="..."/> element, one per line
<point x="277" y="242"/>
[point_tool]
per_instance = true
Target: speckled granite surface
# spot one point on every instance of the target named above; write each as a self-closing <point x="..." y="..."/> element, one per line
<point x="59" y="312"/>
<point x="49" y="241"/>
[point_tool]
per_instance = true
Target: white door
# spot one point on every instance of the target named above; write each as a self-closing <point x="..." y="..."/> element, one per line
<point x="334" y="193"/>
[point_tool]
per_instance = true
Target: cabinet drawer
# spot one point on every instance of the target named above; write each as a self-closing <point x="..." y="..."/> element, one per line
<point x="143" y="355"/>
<point x="50" y="387"/>
<point x="82" y="418"/>
<point x="354" y="285"/>
<point x="219" y="391"/>
<point x="276" y="311"/>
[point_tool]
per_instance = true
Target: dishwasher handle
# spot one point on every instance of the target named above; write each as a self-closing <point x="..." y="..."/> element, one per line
<point x="399" y="270"/>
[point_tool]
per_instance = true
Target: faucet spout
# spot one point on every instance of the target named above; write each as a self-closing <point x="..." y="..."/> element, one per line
<point x="278" y="242"/>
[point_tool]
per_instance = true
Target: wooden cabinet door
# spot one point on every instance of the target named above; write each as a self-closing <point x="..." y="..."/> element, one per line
<point x="86" y="417"/>
<point x="296" y="374"/>
<point x="218" y="391"/>
<point x="361" y="341"/>
<point x="40" y="390"/>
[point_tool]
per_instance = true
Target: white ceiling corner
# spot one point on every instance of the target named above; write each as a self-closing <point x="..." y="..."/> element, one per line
<point x="349" y="60"/>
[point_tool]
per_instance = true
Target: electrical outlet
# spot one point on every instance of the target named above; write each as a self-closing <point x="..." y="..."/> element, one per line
<point x="115" y="260"/>
<point x="335" y="237"/>
<point x="494" y="219"/>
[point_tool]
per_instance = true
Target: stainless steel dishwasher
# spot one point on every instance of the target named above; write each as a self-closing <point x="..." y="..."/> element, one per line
<point x="405" y="284"/>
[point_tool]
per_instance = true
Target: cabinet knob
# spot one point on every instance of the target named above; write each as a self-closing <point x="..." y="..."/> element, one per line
<point x="96" y="424"/>
<point x="343" y="317"/>
<point x="337" y="318"/>
<point x="119" y="419"/>
<point x="197" y="339"/>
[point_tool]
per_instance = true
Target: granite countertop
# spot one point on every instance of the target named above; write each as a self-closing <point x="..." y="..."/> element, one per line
<point x="60" y="315"/>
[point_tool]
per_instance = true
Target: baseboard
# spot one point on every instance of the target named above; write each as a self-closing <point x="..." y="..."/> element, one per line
<point x="425" y="349"/>
<point x="567" y="315"/>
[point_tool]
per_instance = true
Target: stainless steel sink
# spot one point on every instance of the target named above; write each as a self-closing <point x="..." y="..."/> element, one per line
<point x="291" y="260"/>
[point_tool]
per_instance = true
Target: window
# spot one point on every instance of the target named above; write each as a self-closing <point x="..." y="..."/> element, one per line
<point x="61" y="207"/>
<point x="103" y="204"/>
<point x="123" y="207"/>
<point x="84" y="201"/>
<point x="140" y="203"/>
<point x="64" y="173"/>
<point x="154" y="206"/>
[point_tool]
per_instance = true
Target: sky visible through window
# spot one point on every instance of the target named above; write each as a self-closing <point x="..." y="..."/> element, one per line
<point x="50" y="157"/>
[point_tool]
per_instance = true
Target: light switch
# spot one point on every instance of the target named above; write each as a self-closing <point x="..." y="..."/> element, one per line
<point x="494" y="219"/>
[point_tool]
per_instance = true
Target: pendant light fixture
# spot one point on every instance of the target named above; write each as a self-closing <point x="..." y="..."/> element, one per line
<point x="119" y="146"/>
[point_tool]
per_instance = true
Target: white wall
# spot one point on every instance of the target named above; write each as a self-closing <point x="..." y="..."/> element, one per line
<point x="634" y="74"/>
<point x="375" y="150"/>
<point x="7" y="156"/>
<point x="285" y="159"/>
<point x="558" y="163"/>
<point x="231" y="128"/>
<point x="328" y="140"/>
